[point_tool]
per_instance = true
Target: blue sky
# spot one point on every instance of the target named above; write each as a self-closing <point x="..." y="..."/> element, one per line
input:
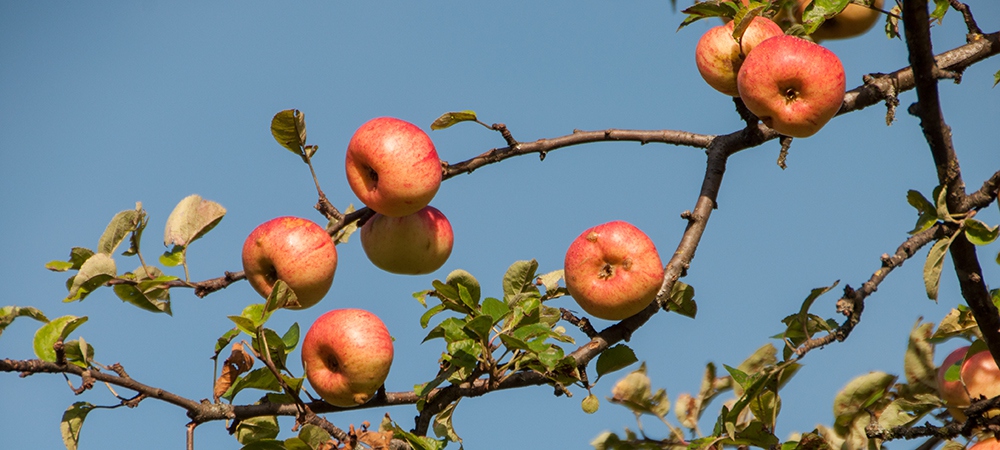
<point x="105" y="104"/>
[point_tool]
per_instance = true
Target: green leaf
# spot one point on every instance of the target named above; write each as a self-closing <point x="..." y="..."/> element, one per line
<point x="117" y="230"/>
<point x="859" y="393"/>
<point x="495" y="309"/>
<point x="941" y="203"/>
<point x="256" y="429"/>
<point x="905" y="411"/>
<point x="275" y="347"/>
<point x="979" y="233"/>
<point x="257" y="314"/>
<point x="615" y="358"/>
<point x="56" y="330"/>
<point x="918" y="201"/>
<point x="480" y="327"/>
<point x="72" y="422"/>
<point x="9" y="313"/>
<point x="996" y="78"/>
<point x="149" y="293"/>
<point x="706" y="9"/>
<point x="519" y="280"/>
<point x="266" y="444"/>
<point x="291" y="337"/>
<point x="280" y="297"/>
<point x="75" y="350"/>
<point x="77" y="256"/>
<point x="933" y="266"/>
<point x="450" y="118"/>
<point x="225" y="339"/>
<point x="190" y="220"/>
<point x="459" y="278"/>
<point x="590" y="404"/>
<point x="260" y="378"/>
<point x="443" y="427"/>
<point x="313" y="436"/>
<point x="681" y="300"/>
<point x="289" y="128"/>
<point x="173" y="257"/>
<point x="940" y="8"/>
<point x="819" y="10"/>
<point x="430" y="313"/>
<point x="97" y="270"/>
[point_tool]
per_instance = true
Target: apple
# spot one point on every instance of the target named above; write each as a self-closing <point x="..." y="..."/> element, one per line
<point x="854" y="20"/>
<point x="294" y="250"/>
<point x="953" y="392"/>
<point x="986" y="444"/>
<point x="794" y="86"/>
<point x="392" y="166"/>
<point x="613" y="270"/>
<point x="346" y="355"/>
<point x="718" y="55"/>
<point x="416" y="244"/>
<point x="981" y="375"/>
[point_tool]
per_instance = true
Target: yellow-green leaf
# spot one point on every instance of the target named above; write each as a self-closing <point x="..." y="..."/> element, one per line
<point x="72" y="421"/>
<point x="289" y="128"/>
<point x="450" y="118"/>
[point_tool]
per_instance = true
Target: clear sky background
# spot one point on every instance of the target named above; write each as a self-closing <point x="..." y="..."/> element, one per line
<point x="104" y="104"/>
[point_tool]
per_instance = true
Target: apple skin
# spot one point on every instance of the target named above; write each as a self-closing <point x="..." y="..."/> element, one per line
<point x="346" y="355"/>
<point x="794" y="86"/>
<point x="981" y="375"/>
<point x="393" y="167"/>
<point x="853" y="21"/>
<point x="416" y="244"/>
<point x="953" y="392"/>
<point x="613" y="270"/>
<point x="294" y="250"/>
<point x="986" y="444"/>
<point x="718" y="55"/>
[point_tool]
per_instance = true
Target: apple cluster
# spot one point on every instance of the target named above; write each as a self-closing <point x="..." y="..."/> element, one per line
<point x="793" y="85"/>
<point x="393" y="167"/>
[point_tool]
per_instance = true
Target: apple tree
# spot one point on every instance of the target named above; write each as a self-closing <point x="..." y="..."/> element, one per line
<point x="296" y="365"/>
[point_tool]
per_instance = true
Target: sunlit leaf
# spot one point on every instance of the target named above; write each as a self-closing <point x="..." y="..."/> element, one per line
<point x="256" y="429"/>
<point x="289" y="128"/>
<point x="979" y="233"/>
<point x="940" y="8"/>
<point x="97" y="270"/>
<point x="495" y="309"/>
<point x="56" y="330"/>
<point x="819" y="10"/>
<point x="117" y="230"/>
<point x="72" y="422"/>
<point x="933" y="266"/>
<point x="75" y="352"/>
<point x="857" y="395"/>
<point x="519" y="280"/>
<point x="77" y="256"/>
<point x="451" y="118"/>
<point x="9" y="313"/>
<point x="443" y="427"/>
<point x="190" y="220"/>
<point x="291" y="337"/>
<point x="681" y="300"/>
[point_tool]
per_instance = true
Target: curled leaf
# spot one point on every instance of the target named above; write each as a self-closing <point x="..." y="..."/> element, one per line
<point x="289" y="128"/>
<point x="190" y="220"/>
<point x="451" y="118"/>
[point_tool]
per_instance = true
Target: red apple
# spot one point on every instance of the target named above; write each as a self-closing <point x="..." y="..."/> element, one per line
<point x="392" y="166"/>
<point x="294" y="250"/>
<point x="718" y="55"/>
<point x="613" y="270"/>
<point x="346" y="355"/>
<point x="986" y="444"/>
<point x="854" y="20"/>
<point x="794" y="86"/>
<point x="953" y="392"/>
<point x="416" y="244"/>
<point x="981" y="375"/>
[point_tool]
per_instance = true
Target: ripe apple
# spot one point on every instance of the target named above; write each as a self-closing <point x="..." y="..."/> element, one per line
<point x="953" y="392"/>
<point x="986" y="444"/>
<point x="794" y="86"/>
<point x="416" y="244"/>
<point x="718" y="55"/>
<point x="854" y="20"/>
<point x="981" y="375"/>
<point x="392" y="166"/>
<point x="613" y="270"/>
<point x="294" y="250"/>
<point x="346" y="356"/>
